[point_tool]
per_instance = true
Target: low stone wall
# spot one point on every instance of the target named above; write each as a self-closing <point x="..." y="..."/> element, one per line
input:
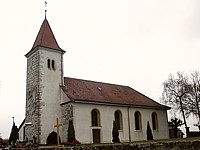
<point x="171" y="145"/>
<point x="184" y="145"/>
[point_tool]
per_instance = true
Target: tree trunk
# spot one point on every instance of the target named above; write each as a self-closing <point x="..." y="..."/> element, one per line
<point x="181" y="104"/>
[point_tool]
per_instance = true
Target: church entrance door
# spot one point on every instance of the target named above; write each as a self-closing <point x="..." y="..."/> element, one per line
<point x="52" y="138"/>
<point x="96" y="135"/>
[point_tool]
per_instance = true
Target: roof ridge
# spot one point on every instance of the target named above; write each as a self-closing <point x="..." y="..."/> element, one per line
<point x="97" y="82"/>
<point x="40" y="42"/>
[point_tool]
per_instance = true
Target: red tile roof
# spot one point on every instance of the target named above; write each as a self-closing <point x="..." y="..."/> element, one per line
<point x="91" y="91"/>
<point x="46" y="37"/>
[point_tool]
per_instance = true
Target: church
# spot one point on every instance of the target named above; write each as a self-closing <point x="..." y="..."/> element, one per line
<point x="92" y="106"/>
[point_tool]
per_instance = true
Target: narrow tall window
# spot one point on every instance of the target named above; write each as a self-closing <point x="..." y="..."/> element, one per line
<point x="154" y="121"/>
<point x="53" y="64"/>
<point x="138" y="124"/>
<point x="118" y="120"/>
<point x="49" y="63"/>
<point x="95" y="116"/>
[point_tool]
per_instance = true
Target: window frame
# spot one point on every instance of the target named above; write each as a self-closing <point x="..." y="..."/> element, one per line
<point x="119" y="121"/>
<point x="154" y="118"/>
<point x="138" y="122"/>
<point x="53" y="64"/>
<point x="49" y="63"/>
<point x="95" y="120"/>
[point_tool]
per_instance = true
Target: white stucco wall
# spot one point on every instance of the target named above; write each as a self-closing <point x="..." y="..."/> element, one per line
<point x="83" y="129"/>
<point x="50" y="81"/>
<point x="146" y="115"/>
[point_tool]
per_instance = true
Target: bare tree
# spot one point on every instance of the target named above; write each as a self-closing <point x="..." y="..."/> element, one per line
<point x="193" y="103"/>
<point x="176" y="93"/>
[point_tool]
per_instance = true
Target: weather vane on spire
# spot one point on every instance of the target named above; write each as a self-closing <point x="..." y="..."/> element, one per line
<point x="45" y="8"/>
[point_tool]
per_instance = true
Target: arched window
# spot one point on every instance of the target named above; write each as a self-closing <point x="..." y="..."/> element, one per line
<point x="53" y="64"/>
<point x="95" y="116"/>
<point x="49" y="63"/>
<point x="154" y="121"/>
<point x="138" y="123"/>
<point x="118" y="120"/>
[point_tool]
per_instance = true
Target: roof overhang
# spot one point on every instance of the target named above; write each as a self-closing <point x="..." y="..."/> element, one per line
<point x="115" y="104"/>
<point x="38" y="47"/>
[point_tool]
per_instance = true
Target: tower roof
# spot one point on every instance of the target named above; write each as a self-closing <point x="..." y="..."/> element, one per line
<point x="45" y="37"/>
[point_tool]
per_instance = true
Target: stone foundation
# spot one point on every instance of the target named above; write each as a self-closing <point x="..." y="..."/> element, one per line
<point x="171" y="145"/>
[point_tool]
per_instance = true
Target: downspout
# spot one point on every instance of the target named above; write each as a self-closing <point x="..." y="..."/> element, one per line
<point x="129" y="128"/>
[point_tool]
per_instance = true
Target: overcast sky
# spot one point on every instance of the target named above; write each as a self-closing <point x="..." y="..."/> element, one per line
<point x="137" y="43"/>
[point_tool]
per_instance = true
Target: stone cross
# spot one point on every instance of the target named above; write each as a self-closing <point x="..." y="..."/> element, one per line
<point x="57" y="126"/>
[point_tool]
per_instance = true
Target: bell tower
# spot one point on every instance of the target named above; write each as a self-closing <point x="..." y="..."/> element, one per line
<point x="44" y="77"/>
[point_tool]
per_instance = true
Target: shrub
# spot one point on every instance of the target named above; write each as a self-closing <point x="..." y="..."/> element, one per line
<point x="115" y="133"/>
<point x="71" y="132"/>
<point x="149" y="132"/>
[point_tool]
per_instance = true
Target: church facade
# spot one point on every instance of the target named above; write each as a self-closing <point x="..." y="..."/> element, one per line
<point x="91" y="106"/>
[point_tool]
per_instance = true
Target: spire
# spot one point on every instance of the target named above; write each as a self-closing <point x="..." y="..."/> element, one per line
<point x="45" y="9"/>
<point x="45" y="37"/>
